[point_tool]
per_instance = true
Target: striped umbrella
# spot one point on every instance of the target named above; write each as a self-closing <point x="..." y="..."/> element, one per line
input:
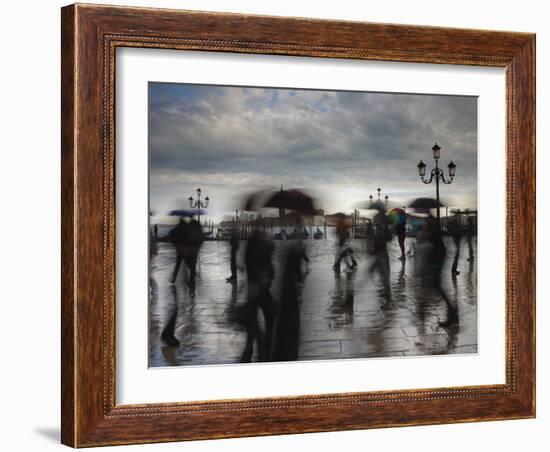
<point x="397" y="215"/>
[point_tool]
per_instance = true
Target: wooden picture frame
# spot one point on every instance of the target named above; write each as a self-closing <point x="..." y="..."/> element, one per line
<point x="90" y="36"/>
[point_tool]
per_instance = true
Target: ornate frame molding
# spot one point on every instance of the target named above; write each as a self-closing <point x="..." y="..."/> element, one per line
<point x="90" y="37"/>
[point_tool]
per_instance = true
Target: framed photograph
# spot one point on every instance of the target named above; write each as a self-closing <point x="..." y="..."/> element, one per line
<point x="281" y="225"/>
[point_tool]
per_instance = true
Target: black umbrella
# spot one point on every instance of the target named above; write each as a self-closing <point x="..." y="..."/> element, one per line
<point x="291" y="200"/>
<point x="425" y="203"/>
<point x="339" y="216"/>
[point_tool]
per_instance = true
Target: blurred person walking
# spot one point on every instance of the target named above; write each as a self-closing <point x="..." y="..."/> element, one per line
<point x="454" y="231"/>
<point x="400" y="233"/>
<point x="178" y="236"/>
<point x="343" y="252"/>
<point x="430" y="257"/>
<point x="234" y="242"/>
<point x="378" y="247"/>
<point x="287" y="331"/>
<point x="260" y="273"/>
<point x="187" y="239"/>
<point x="195" y="240"/>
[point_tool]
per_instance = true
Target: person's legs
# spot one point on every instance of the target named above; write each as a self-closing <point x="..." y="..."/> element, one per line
<point x="384" y="269"/>
<point x="373" y="266"/>
<point x="350" y="260"/>
<point x="191" y="262"/>
<point x="251" y="331"/>
<point x="268" y="310"/>
<point x="233" y="276"/>
<point x="176" y="269"/>
<point x="457" y="253"/>
<point x="349" y="288"/>
<point x="167" y="334"/>
<point x="452" y="308"/>
<point x="285" y="347"/>
<point x="401" y="241"/>
<point x="339" y="257"/>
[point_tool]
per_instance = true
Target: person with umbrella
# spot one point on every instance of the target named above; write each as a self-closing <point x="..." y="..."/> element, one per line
<point x="287" y="329"/>
<point x="260" y="273"/>
<point x="433" y="258"/>
<point x="398" y="217"/>
<point x="187" y="239"/>
<point x="380" y="238"/>
<point x="178" y="236"/>
<point x="343" y="252"/>
<point x="293" y="199"/>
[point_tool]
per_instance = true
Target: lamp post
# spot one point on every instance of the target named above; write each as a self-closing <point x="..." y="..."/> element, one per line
<point x="438" y="174"/>
<point x="379" y="190"/>
<point x="199" y="203"/>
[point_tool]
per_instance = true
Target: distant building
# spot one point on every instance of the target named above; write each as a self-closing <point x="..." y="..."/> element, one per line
<point x="335" y="218"/>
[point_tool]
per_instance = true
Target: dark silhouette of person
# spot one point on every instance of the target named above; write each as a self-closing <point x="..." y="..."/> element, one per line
<point x="188" y="239"/>
<point x="380" y="238"/>
<point x="343" y="252"/>
<point x="350" y="292"/>
<point x="260" y="273"/>
<point x="287" y="331"/>
<point x="153" y="244"/>
<point x="342" y="232"/>
<point x="194" y="243"/>
<point x="435" y="258"/>
<point x="346" y="255"/>
<point x="233" y="309"/>
<point x="178" y="236"/>
<point x="470" y="233"/>
<point x="156" y="231"/>
<point x="344" y="292"/>
<point x="400" y="232"/>
<point x="454" y="231"/>
<point x="168" y="333"/>
<point x="234" y="242"/>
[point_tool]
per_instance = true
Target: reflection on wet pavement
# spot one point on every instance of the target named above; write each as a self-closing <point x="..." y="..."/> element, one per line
<point x="345" y="315"/>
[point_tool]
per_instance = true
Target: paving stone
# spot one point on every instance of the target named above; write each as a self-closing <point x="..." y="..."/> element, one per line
<point x="464" y="339"/>
<point x="319" y="348"/>
<point x="341" y="316"/>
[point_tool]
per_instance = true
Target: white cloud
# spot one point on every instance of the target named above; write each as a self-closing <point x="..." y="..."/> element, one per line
<point x="231" y="139"/>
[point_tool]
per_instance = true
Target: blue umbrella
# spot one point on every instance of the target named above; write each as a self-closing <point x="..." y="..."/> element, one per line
<point x="185" y="212"/>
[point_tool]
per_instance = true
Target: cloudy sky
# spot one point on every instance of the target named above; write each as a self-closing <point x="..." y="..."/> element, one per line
<point x="339" y="145"/>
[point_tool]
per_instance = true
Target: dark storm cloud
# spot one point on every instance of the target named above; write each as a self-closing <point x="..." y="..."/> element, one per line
<point x="232" y="136"/>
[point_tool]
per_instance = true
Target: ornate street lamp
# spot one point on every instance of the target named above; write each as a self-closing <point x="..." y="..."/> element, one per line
<point x="421" y="169"/>
<point x="452" y="169"/>
<point x="436" y="173"/>
<point x="437" y="151"/>
<point x="379" y="190"/>
<point x="199" y="203"/>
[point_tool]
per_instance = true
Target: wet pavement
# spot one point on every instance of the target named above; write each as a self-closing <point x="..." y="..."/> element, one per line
<point x="342" y="315"/>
